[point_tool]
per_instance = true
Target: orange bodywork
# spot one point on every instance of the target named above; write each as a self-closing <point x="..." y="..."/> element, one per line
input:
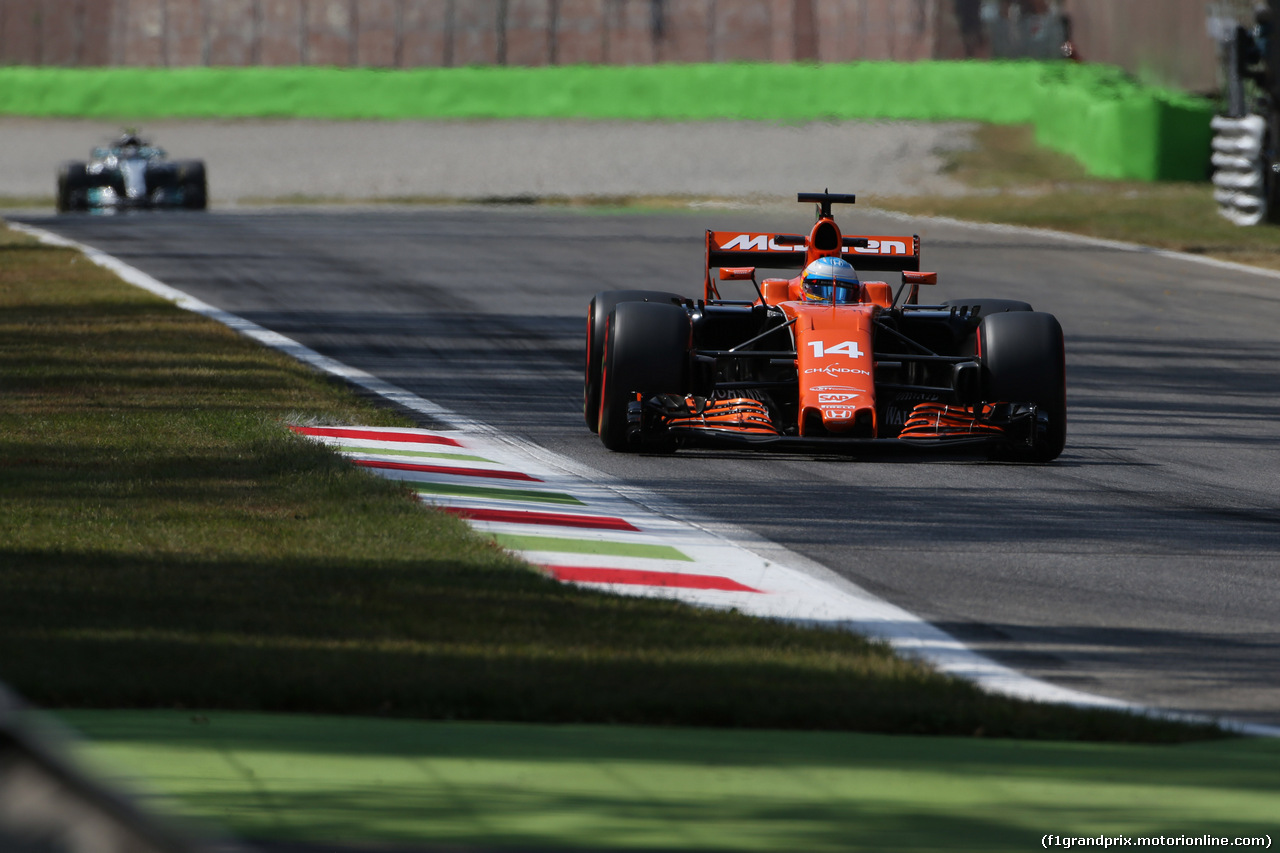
<point x="835" y="365"/>
<point x="833" y="342"/>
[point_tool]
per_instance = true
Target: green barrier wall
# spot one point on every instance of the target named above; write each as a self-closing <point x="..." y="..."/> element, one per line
<point x="1114" y="126"/>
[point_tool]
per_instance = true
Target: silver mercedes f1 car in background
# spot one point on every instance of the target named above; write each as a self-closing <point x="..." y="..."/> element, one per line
<point x="131" y="173"/>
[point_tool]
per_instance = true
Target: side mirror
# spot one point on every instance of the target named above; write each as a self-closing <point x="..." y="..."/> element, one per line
<point x="919" y="278"/>
<point x="915" y="279"/>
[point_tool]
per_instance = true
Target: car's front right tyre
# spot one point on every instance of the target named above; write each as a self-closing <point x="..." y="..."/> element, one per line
<point x="598" y="312"/>
<point x="646" y="351"/>
<point x="73" y="187"/>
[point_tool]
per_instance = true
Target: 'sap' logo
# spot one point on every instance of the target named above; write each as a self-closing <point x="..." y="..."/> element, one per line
<point x="835" y="398"/>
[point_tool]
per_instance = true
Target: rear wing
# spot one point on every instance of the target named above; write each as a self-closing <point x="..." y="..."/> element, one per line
<point x="789" y="251"/>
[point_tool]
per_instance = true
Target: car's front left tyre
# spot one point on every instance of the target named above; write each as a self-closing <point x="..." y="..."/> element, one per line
<point x="1023" y="361"/>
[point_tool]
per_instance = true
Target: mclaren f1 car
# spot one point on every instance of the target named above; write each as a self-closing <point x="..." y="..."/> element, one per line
<point x="131" y="173"/>
<point x="825" y="360"/>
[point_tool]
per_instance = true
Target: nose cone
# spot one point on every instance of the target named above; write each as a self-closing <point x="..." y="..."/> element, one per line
<point x="841" y="413"/>
<point x="835" y="366"/>
<point x="135" y="177"/>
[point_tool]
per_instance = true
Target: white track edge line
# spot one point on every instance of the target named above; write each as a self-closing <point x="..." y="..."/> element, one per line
<point x="915" y="637"/>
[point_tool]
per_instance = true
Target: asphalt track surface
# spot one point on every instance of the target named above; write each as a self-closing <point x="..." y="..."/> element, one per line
<point x="1141" y="565"/>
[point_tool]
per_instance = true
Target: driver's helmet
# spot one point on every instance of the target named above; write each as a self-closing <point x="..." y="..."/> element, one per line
<point x="830" y="280"/>
<point x="129" y="144"/>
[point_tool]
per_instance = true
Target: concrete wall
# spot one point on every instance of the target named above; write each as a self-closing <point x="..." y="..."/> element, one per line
<point x="1162" y="40"/>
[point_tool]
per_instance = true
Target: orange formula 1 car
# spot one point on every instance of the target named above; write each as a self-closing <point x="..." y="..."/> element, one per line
<point x="826" y="360"/>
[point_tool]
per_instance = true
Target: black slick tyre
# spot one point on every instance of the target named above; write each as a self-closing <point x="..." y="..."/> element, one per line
<point x="646" y="350"/>
<point x="73" y="187"/>
<point x="195" y="186"/>
<point x="978" y="308"/>
<point x="1024" y="362"/>
<point x="598" y="312"/>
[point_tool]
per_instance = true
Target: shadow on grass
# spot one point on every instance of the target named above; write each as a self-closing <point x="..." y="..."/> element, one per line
<point x="442" y="640"/>
<point x="541" y="819"/>
<point x="509" y="786"/>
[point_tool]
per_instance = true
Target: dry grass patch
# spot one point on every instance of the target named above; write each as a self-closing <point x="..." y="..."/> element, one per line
<point x="1016" y="182"/>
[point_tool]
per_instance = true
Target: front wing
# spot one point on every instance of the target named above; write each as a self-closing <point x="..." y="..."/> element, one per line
<point x="666" y="422"/>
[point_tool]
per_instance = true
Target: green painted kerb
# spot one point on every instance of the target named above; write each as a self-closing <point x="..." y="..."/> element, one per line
<point x="372" y="451"/>
<point x="495" y="493"/>
<point x="568" y="545"/>
<point x="1116" y="127"/>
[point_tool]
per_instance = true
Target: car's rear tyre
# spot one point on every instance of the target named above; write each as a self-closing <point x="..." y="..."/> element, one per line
<point x="73" y="187"/>
<point x="1024" y="361"/>
<point x="646" y="350"/>
<point x="598" y="312"/>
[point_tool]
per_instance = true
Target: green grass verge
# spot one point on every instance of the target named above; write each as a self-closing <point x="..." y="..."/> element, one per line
<point x="1017" y="182"/>
<point x="166" y="542"/>
<point x="595" y="787"/>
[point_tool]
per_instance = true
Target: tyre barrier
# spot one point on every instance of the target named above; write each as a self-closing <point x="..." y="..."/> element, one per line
<point x="1240" y="169"/>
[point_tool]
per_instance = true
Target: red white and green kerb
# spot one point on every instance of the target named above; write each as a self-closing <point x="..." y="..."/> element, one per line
<point x="562" y="528"/>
